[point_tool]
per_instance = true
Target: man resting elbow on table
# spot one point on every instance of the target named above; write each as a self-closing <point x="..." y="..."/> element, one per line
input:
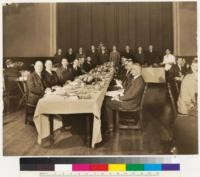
<point x="129" y="100"/>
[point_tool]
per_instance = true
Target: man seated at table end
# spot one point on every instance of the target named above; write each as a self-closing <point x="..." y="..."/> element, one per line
<point x="129" y="100"/>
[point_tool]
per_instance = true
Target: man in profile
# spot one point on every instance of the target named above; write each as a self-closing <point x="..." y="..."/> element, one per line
<point x="129" y="100"/>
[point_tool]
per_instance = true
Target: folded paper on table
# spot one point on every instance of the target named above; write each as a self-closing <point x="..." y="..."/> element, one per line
<point x="115" y="93"/>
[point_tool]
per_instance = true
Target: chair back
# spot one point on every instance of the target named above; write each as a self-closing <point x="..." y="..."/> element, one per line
<point x="25" y="87"/>
<point x="143" y="95"/>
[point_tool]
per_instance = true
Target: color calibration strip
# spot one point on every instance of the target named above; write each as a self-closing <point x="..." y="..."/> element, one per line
<point x="116" y="167"/>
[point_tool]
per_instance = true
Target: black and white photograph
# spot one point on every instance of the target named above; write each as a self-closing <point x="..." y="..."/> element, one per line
<point x="100" y="78"/>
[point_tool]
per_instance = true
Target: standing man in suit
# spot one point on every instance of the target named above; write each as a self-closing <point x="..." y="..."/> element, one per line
<point x="151" y="56"/>
<point x="93" y="53"/>
<point x="115" y="57"/>
<point x="103" y="55"/>
<point x="58" y="57"/>
<point x="140" y="56"/>
<point x="35" y="83"/>
<point x="127" y="53"/>
<point x="130" y="99"/>
<point x="70" y="55"/>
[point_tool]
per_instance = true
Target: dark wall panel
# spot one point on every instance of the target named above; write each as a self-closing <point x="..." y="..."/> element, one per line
<point x="133" y="23"/>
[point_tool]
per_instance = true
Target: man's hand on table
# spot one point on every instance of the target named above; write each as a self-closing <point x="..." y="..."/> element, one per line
<point x="116" y="98"/>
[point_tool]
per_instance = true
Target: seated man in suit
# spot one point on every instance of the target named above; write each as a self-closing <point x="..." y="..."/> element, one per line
<point x="87" y="65"/>
<point x="128" y="76"/>
<point x="76" y="70"/>
<point x="130" y="99"/>
<point x="50" y="76"/>
<point x="64" y="72"/>
<point x="177" y="71"/>
<point x="122" y="70"/>
<point x="187" y="98"/>
<point x="35" y="83"/>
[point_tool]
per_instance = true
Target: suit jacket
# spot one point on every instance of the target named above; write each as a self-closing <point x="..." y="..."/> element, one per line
<point x="76" y="72"/>
<point x="94" y="56"/>
<point x="133" y="94"/>
<point x="87" y="67"/>
<point x="126" y="80"/>
<point x="36" y="88"/>
<point x="121" y="73"/>
<point x="78" y="55"/>
<point x="115" y="58"/>
<point x="127" y="55"/>
<point x="175" y="71"/>
<point x="103" y="57"/>
<point x="50" y="80"/>
<point x="57" y="59"/>
<point x="140" y="58"/>
<point x="64" y="74"/>
<point x="151" y="57"/>
<point x="71" y="57"/>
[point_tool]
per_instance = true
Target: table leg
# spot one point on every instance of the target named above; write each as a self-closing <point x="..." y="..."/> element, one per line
<point x="51" y="137"/>
<point x="88" y="130"/>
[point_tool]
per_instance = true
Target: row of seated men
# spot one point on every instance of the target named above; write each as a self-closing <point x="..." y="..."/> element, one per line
<point x="130" y="79"/>
<point x="101" y="54"/>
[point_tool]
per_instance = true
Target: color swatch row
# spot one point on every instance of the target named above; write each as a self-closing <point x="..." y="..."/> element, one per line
<point x="117" y="167"/>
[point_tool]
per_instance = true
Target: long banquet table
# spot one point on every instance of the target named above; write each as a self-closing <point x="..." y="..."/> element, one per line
<point x="52" y="105"/>
<point x="56" y="105"/>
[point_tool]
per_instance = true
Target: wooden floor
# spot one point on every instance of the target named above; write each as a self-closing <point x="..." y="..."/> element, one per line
<point x="20" y="139"/>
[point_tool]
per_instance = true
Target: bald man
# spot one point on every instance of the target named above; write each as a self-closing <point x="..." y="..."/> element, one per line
<point x="130" y="100"/>
<point x="35" y="83"/>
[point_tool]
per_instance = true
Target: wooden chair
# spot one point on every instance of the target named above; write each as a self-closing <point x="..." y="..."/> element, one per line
<point x="138" y="112"/>
<point x="29" y="108"/>
<point x="173" y="103"/>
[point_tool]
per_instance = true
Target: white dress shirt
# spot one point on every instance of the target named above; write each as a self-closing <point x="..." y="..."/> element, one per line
<point x="168" y="60"/>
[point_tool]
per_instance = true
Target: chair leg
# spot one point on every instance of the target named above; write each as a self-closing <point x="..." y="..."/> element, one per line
<point x="141" y="121"/>
<point x="26" y="115"/>
<point x="117" y="122"/>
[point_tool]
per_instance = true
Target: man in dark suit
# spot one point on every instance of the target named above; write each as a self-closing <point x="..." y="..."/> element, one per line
<point x="58" y="57"/>
<point x="70" y="55"/>
<point x="35" y="83"/>
<point x="151" y="56"/>
<point x="127" y="53"/>
<point x="177" y="71"/>
<point x="130" y="100"/>
<point x="76" y="70"/>
<point x="140" y="56"/>
<point x="87" y="65"/>
<point x="64" y="73"/>
<point x="93" y="53"/>
<point x="103" y="55"/>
